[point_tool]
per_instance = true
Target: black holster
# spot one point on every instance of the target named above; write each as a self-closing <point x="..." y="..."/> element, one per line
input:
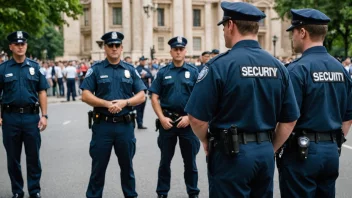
<point x="157" y="124"/>
<point x="278" y="156"/>
<point x="230" y="142"/>
<point x="90" y="119"/>
<point x="340" y="139"/>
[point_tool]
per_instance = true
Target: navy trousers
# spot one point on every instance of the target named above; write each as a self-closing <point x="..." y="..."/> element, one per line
<point x="61" y="87"/>
<point x="106" y="136"/>
<point x="71" y="88"/>
<point x="140" y="113"/>
<point x="313" y="177"/>
<point x="189" y="145"/>
<point x="19" y="129"/>
<point x="249" y="174"/>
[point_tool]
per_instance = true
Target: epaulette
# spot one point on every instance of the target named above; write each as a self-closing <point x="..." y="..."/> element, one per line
<point x="217" y="57"/>
<point x="3" y="63"/>
<point x="95" y="63"/>
<point x="128" y="64"/>
<point x="33" y="61"/>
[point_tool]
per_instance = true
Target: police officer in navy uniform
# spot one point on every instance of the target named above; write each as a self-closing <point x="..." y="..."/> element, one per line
<point x="24" y="91"/>
<point x="245" y="93"/>
<point x="323" y="93"/>
<point x="204" y="59"/>
<point x="112" y="87"/>
<point x="214" y="53"/>
<point x="173" y="85"/>
<point x="146" y="76"/>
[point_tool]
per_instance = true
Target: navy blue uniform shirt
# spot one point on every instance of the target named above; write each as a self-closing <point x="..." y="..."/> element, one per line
<point x="246" y="87"/>
<point x="113" y="82"/>
<point x="21" y="82"/>
<point x="174" y="86"/>
<point x="323" y="90"/>
<point x="148" y="74"/>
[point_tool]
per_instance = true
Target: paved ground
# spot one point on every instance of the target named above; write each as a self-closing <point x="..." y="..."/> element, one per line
<point x="66" y="162"/>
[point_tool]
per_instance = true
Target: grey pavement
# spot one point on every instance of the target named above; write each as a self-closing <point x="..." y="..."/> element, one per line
<point x="66" y="162"/>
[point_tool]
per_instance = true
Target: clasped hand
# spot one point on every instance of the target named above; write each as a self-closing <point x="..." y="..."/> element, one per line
<point x="116" y="106"/>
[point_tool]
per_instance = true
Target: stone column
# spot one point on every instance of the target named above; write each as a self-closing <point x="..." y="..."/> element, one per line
<point x="137" y="29"/>
<point x="208" y="26"/>
<point x="126" y="27"/>
<point x="97" y="28"/>
<point x="188" y="25"/>
<point x="221" y="40"/>
<point x="147" y="33"/>
<point x="178" y="17"/>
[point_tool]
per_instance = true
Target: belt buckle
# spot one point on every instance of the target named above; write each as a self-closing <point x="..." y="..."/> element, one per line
<point x="114" y="119"/>
<point x="21" y="110"/>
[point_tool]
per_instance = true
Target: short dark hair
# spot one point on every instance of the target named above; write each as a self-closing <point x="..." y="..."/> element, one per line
<point x="316" y="32"/>
<point x="247" y="27"/>
<point x="127" y="57"/>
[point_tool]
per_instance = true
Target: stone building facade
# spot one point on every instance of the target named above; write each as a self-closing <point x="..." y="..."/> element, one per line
<point x="148" y="23"/>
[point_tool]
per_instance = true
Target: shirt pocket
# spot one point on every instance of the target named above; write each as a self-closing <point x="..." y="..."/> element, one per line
<point x="32" y="82"/>
<point x="104" y="86"/>
<point x="168" y="87"/>
<point x="126" y="85"/>
<point x="187" y="86"/>
<point x="10" y="84"/>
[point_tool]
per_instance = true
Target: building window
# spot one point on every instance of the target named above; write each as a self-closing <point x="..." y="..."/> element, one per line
<point x="117" y="16"/>
<point x="196" y="18"/>
<point x="86" y="16"/>
<point x="262" y="21"/>
<point x="197" y="44"/>
<point x="161" y="16"/>
<point x="161" y="43"/>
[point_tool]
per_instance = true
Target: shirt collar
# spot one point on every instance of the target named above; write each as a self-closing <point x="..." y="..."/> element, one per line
<point x="106" y="63"/>
<point x="25" y="62"/>
<point x="185" y="66"/>
<point x="316" y="49"/>
<point x="246" y="43"/>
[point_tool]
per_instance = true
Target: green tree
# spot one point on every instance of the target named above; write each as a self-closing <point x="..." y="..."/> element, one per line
<point x="52" y="41"/>
<point x="339" y="11"/>
<point x="33" y="16"/>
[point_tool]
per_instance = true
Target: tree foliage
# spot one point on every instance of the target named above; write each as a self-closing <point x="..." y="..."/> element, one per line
<point x="340" y="13"/>
<point x="33" y="16"/>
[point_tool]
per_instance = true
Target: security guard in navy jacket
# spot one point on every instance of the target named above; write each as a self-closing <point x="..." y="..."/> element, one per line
<point x="173" y="85"/>
<point x="112" y="87"/>
<point x="245" y="93"/>
<point x="24" y="91"/>
<point x="323" y="88"/>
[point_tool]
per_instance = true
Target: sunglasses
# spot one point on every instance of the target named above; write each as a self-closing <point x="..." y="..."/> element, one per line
<point x="19" y="44"/>
<point x="111" y="45"/>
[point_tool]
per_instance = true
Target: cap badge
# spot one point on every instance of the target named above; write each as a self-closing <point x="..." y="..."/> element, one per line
<point x="19" y="34"/>
<point x="179" y="39"/>
<point x="114" y="35"/>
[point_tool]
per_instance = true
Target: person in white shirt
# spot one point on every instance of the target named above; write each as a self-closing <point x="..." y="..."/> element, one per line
<point x="70" y="76"/>
<point x="60" y="82"/>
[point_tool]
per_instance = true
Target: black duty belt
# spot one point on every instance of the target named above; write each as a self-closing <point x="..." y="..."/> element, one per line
<point x="28" y="109"/>
<point x="317" y="136"/>
<point x="115" y="119"/>
<point x="245" y="137"/>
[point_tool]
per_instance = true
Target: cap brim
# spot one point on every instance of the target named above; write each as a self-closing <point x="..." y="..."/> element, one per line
<point x="180" y="46"/>
<point x="114" y="42"/>
<point x="290" y="28"/>
<point x="221" y="22"/>
<point x="19" y="41"/>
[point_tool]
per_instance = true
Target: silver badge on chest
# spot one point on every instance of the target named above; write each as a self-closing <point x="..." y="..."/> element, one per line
<point x="127" y="74"/>
<point x="187" y="74"/>
<point x="31" y="71"/>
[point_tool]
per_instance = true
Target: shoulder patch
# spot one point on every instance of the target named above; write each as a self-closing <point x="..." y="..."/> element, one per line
<point x="137" y="73"/>
<point x="89" y="72"/>
<point x="203" y="73"/>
